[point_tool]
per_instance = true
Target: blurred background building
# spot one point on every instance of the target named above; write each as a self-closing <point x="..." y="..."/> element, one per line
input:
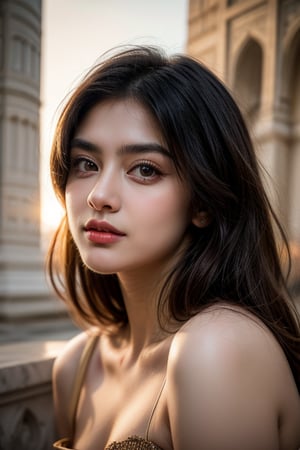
<point x="254" y="46"/>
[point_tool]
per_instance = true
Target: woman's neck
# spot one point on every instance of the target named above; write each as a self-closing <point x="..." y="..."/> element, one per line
<point x="141" y="292"/>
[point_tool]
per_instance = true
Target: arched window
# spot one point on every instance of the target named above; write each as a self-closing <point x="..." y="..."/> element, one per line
<point x="294" y="85"/>
<point x="248" y="77"/>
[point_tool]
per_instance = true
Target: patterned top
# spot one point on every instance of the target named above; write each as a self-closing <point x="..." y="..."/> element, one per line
<point x="132" y="442"/>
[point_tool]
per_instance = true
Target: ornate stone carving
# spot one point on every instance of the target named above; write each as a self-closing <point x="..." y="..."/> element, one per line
<point x="24" y="57"/>
<point x="26" y="407"/>
<point x="290" y="10"/>
<point x="24" y="432"/>
<point x="247" y="26"/>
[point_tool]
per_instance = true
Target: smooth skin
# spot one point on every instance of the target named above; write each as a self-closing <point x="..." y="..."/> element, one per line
<point x="228" y="383"/>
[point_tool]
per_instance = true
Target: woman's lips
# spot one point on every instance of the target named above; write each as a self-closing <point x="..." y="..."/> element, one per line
<point x="101" y="232"/>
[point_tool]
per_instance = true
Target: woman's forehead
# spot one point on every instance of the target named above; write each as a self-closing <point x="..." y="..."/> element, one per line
<point x="127" y="116"/>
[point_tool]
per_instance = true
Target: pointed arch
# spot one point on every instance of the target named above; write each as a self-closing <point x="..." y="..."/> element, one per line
<point x="247" y="76"/>
<point x="290" y="79"/>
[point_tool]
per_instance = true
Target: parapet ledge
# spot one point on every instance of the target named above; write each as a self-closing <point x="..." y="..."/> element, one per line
<point x="26" y="405"/>
<point x="26" y="364"/>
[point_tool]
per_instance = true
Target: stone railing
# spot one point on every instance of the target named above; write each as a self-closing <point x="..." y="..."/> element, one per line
<point x="26" y="407"/>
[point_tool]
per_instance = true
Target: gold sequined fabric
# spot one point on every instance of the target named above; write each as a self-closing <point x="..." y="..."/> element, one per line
<point x="133" y="443"/>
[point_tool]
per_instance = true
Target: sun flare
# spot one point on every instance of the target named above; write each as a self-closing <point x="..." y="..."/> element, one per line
<point x="51" y="213"/>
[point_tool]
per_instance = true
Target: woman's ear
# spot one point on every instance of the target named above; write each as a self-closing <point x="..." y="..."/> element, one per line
<point x="201" y="219"/>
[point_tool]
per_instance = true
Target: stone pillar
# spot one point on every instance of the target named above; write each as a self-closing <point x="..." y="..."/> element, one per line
<point x="24" y="294"/>
<point x="273" y="151"/>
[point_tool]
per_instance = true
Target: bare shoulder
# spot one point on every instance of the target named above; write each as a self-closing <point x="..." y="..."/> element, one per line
<point x="231" y="379"/>
<point x="227" y="335"/>
<point x="63" y="376"/>
<point x="68" y="358"/>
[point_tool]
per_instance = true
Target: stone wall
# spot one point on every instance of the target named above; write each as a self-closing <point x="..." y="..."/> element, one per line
<point x="26" y="408"/>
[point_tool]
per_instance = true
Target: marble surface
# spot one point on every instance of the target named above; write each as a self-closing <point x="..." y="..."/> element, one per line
<point x="26" y="364"/>
<point x="26" y="403"/>
<point x="15" y="353"/>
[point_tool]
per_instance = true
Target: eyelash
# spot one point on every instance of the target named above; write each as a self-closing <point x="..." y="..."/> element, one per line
<point x="148" y="164"/>
<point x="76" y="161"/>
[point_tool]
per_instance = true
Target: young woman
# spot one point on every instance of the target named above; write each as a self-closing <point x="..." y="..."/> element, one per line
<point x="167" y="257"/>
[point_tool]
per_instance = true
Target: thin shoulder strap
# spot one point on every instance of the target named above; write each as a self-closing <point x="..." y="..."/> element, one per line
<point x="83" y="363"/>
<point x="154" y="408"/>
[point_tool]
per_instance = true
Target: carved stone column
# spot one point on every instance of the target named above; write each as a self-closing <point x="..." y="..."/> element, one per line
<point x="24" y="294"/>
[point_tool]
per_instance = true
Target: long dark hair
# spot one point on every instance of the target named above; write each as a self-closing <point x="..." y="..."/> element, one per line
<point x="235" y="259"/>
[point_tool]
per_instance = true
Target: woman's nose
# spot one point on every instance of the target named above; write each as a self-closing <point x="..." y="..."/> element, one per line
<point x="105" y="193"/>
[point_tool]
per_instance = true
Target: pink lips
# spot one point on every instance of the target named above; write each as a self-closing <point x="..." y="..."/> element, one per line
<point x="101" y="232"/>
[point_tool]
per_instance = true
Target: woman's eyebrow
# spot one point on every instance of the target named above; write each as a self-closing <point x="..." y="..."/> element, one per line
<point x="147" y="147"/>
<point x="84" y="145"/>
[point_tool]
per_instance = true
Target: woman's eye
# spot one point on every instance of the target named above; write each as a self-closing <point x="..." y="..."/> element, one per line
<point x="144" y="172"/>
<point x="84" y="165"/>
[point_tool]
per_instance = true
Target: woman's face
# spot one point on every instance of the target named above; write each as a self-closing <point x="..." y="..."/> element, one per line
<point x="126" y="207"/>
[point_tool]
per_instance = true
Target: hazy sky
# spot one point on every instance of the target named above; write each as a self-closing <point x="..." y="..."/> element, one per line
<point x="76" y="32"/>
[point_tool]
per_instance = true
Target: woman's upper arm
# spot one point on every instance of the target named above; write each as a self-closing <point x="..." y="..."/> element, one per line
<point x="63" y="376"/>
<point x="222" y="387"/>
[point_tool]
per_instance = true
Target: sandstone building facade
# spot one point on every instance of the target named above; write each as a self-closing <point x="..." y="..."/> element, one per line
<point x="254" y="46"/>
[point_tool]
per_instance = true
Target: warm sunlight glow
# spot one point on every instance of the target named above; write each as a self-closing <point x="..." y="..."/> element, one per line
<point x="51" y="214"/>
